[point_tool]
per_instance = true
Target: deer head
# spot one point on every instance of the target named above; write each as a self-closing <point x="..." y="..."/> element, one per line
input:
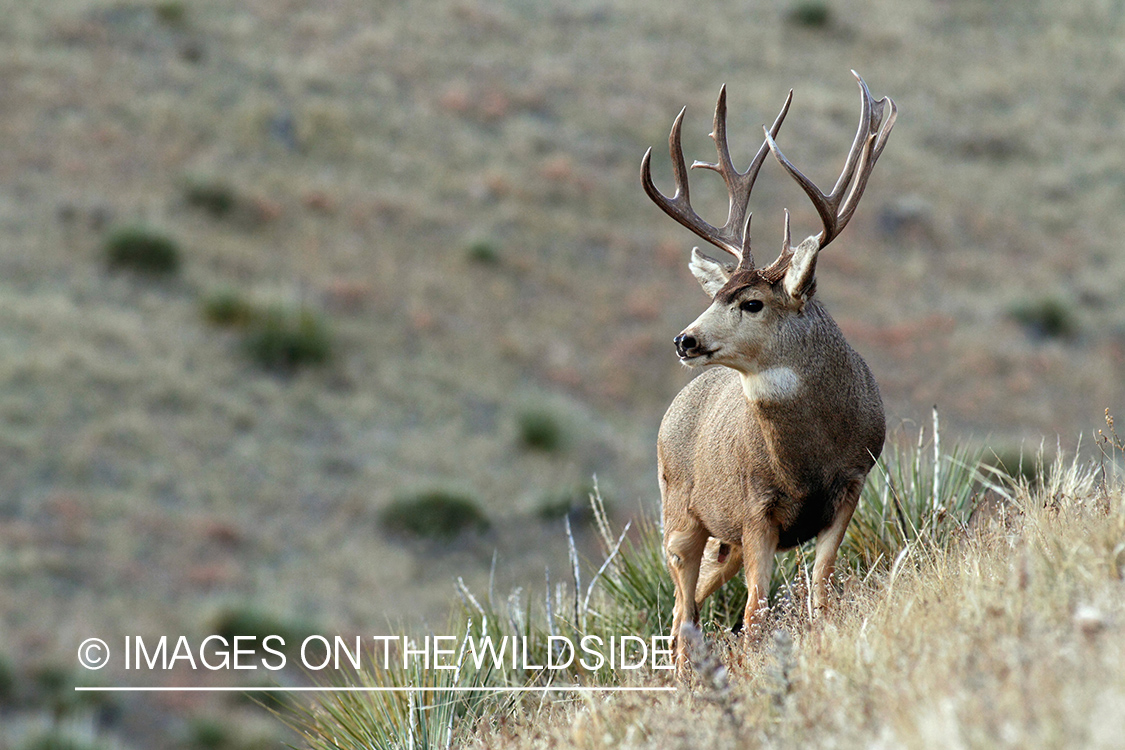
<point x="755" y="311"/>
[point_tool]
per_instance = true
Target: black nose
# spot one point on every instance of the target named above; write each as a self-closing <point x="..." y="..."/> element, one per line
<point x="687" y="345"/>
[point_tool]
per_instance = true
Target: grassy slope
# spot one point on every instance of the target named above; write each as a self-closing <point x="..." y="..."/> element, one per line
<point x="151" y="476"/>
<point x="1009" y="636"/>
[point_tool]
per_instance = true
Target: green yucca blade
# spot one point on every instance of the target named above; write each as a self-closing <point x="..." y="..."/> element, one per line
<point x="916" y="494"/>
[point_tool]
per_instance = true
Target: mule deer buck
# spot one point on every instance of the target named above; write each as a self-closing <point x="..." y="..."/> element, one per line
<point x="771" y="449"/>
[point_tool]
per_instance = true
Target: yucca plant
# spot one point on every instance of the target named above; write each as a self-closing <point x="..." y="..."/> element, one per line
<point x="394" y="707"/>
<point x="916" y="494"/>
<point x="387" y="707"/>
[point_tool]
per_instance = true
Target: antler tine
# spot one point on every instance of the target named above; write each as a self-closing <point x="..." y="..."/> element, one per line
<point x="836" y="208"/>
<point x="734" y="236"/>
<point x="739" y="184"/>
<point x="679" y="205"/>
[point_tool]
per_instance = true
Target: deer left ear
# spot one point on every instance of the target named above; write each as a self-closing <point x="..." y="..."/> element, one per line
<point x="800" y="278"/>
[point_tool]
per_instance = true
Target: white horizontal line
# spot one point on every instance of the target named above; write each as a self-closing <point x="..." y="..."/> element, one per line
<point x="553" y="689"/>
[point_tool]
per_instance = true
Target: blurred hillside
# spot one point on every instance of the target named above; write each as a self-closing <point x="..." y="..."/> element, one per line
<point x="451" y="187"/>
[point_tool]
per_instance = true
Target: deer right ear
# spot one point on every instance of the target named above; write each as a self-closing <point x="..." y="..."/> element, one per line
<point x="710" y="274"/>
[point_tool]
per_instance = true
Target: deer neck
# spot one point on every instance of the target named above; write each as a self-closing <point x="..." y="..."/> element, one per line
<point x="771" y="385"/>
<point x="793" y="400"/>
<point x="791" y="365"/>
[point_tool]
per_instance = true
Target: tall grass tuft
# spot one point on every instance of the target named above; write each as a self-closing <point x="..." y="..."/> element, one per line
<point x="429" y="713"/>
<point x="916" y="495"/>
<point x="582" y="602"/>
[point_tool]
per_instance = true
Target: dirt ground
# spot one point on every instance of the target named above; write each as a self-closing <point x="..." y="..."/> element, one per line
<point x="453" y="186"/>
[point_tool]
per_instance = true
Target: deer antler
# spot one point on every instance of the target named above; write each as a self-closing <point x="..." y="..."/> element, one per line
<point x="734" y="235"/>
<point x="837" y="207"/>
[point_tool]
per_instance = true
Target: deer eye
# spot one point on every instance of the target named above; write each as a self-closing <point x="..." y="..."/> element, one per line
<point x="751" y="306"/>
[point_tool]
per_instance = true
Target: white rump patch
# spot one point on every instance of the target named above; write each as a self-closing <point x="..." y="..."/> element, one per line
<point x="774" y="384"/>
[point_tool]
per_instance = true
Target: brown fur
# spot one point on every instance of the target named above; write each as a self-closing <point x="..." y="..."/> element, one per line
<point x="772" y="450"/>
<point x="764" y="476"/>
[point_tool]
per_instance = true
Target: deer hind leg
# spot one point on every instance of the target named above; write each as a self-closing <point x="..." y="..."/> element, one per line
<point x="828" y="543"/>
<point x="720" y="562"/>
<point x="759" y="545"/>
<point x="684" y="549"/>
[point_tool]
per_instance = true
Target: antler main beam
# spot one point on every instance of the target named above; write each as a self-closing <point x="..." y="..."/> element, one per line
<point x="734" y="235"/>
<point x="837" y="207"/>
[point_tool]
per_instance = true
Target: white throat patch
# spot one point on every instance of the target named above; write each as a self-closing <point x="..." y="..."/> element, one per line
<point x="774" y="384"/>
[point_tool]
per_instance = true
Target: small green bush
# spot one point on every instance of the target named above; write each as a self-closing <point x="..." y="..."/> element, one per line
<point x="553" y="507"/>
<point x="217" y="199"/>
<point x="7" y="682"/>
<point x="483" y="253"/>
<point x="208" y="734"/>
<point x="142" y="250"/>
<point x="228" y="308"/>
<point x="434" y="515"/>
<point x="573" y="503"/>
<point x="250" y="621"/>
<point x="171" y="12"/>
<point x="57" y="740"/>
<point x="51" y="686"/>
<point x="1048" y="317"/>
<point x="813" y="14"/>
<point x="540" y="430"/>
<point x="284" y="339"/>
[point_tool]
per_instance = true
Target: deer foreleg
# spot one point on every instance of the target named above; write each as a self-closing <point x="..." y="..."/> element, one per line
<point x="828" y="543"/>
<point x="759" y="545"/>
<point x="684" y="550"/>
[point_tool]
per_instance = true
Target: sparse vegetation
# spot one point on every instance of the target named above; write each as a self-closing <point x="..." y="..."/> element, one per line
<point x="7" y="682"/>
<point x="126" y="430"/>
<point x="386" y="720"/>
<point x="1013" y="463"/>
<point x="142" y="250"/>
<point x="258" y="624"/>
<point x="918" y="495"/>
<point x="435" y="514"/>
<point x="572" y="503"/>
<point x="483" y="253"/>
<point x="285" y="339"/>
<point x="1046" y="318"/>
<point x="813" y="14"/>
<point x="208" y="734"/>
<point x="171" y="12"/>
<point x="540" y="430"/>
<point x="215" y="198"/>
<point x="277" y="337"/>
<point x="927" y="592"/>
<point x="228" y="308"/>
<point x="59" y="740"/>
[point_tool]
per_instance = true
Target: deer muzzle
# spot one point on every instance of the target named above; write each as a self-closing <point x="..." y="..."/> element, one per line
<point x="689" y="346"/>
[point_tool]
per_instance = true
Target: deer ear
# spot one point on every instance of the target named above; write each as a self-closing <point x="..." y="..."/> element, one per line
<point x="800" y="278"/>
<point x="710" y="274"/>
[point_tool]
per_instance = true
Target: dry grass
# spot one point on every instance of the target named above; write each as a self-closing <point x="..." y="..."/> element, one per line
<point x="1000" y="631"/>
<point x="1010" y="636"/>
